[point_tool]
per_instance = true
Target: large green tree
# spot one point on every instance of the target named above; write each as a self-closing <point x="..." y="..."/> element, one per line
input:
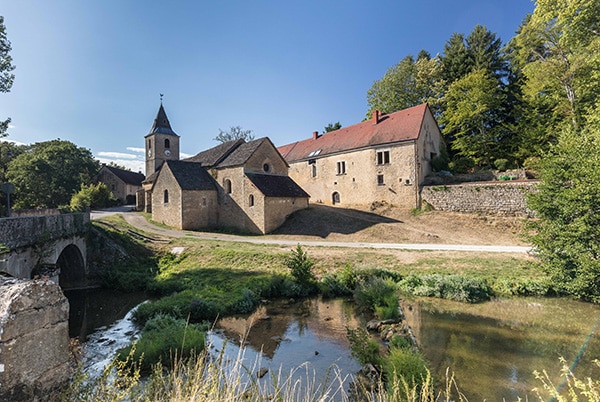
<point x="406" y="84"/>
<point x="6" y="67"/>
<point x="558" y="50"/>
<point x="566" y="233"/>
<point x="472" y="115"/>
<point x="49" y="173"/>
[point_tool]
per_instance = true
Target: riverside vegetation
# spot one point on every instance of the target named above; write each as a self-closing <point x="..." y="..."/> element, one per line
<point x="211" y="278"/>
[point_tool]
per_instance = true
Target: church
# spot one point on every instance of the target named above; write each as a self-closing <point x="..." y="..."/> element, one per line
<point x="237" y="184"/>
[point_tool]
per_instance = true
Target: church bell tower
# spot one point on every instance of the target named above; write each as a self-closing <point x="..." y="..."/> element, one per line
<point x="162" y="143"/>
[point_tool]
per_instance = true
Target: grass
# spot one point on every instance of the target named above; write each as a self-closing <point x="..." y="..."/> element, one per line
<point x="205" y="377"/>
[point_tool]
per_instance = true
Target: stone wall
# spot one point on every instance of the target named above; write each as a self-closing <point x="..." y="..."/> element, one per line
<point x="34" y="339"/>
<point x="500" y="198"/>
<point x="25" y="231"/>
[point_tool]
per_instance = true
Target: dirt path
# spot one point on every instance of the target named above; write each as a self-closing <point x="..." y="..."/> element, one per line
<point x="358" y="229"/>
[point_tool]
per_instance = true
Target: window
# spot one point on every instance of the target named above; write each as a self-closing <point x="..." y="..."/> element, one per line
<point x="383" y="157"/>
<point x="341" y="167"/>
<point x="335" y="198"/>
<point x="251" y="200"/>
<point x="203" y="201"/>
<point x="266" y="167"/>
<point x="166" y="196"/>
<point x="313" y="170"/>
<point x="167" y="143"/>
<point x="227" y="186"/>
<point x="380" y="181"/>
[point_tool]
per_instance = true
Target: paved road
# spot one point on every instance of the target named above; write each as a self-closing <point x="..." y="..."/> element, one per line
<point x="140" y="222"/>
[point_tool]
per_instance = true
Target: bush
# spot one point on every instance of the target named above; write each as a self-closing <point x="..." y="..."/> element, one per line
<point x="404" y="364"/>
<point x="301" y="266"/>
<point x="501" y="164"/>
<point x="462" y="165"/>
<point x="93" y="196"/>
<point x="164" y="339"/>
<point x="364" y="349"/>
<point x="379" y="296"/>
<point x="399" y="342"/>
<point x="452" y="287"/>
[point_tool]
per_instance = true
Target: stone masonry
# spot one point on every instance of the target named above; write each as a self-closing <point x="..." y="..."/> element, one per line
<point x="34" y="339"/>
<point x="499" y="198"/>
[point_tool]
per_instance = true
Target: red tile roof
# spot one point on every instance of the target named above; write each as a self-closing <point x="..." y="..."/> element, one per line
<point x="404" y="125"/>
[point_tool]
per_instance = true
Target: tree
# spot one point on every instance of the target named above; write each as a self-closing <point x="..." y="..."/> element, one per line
<point x="6" y="78"/>
<point x="406" y="84"/>
<point x="558" y="48"/>
<point x="567" y="205"/>
<point x="92" y="196"/>
<point x="472" y="117"/>
<point x="49" y="173"/>
<point x="234" y="133"/>
<point x="332" y="127"/>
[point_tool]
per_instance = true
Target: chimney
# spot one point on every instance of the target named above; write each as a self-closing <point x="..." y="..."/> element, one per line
<point x="315" y="135"/>
<point x="375" y="116"/>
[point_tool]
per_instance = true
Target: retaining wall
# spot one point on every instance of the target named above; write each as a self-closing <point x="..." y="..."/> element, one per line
<point x="498" y="198"/>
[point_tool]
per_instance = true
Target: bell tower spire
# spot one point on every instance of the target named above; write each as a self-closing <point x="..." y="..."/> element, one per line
<point x="162" y="143"/>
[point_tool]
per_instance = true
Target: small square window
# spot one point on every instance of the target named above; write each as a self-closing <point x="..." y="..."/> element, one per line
<point x="341" y="167"/>
<point x="380" y="181"/>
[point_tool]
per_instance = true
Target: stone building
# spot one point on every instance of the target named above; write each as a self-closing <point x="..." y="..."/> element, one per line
<point x="122" y="183"/>
<point x="385" y="158"/>
<point x="237" y="184"/>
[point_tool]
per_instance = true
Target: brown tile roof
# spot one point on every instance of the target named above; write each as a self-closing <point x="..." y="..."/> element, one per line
<point x="190" y="175"/>
<point x="276" y="186"/>
<point x="126" y="176"/>
<point x="400" y="126"/>
<point x="211" y="157"/>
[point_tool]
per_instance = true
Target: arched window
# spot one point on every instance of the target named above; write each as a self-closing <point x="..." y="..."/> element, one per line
<point x="335" y="198"/>
<point x="166" y="196"/>
<point x="227" y="186"/>
<point x="167" y="143"/>
<point x="251" y="200"/>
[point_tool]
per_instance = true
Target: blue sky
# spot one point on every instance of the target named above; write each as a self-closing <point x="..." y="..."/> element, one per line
<point x="91" y="71"/>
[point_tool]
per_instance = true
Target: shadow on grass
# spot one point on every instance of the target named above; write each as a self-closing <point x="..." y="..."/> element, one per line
<point x="322" y="220"/>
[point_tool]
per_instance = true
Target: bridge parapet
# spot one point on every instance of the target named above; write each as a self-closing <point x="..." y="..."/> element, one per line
<point x="24" y="231"/>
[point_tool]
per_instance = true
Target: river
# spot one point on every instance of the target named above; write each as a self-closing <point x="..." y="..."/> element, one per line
<point x="492" y="348"/>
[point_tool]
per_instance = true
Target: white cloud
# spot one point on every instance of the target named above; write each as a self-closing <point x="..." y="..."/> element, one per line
<point x="116" y="155"/>
<point x="133" y="165"/>
<point x="184" y="155"/>
<point x="138" y="150"/>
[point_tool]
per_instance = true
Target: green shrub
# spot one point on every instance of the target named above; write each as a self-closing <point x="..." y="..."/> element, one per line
<point x="523" y="287"/>
<point x="404" y="364"/>
<point x="93" y="196"/>
<point x="501" y="164"/>
<point x="164" y="339"/>
<point x="399" y="342"/>
<point x="364" y="349"/>
<point x="462" y="165"/>
<point x="301" y="266"/>
<point x="332" y="286"/>
<point x="452" y="287"/>
<point x="379" y="296"/>
<point x="246" y="303"/>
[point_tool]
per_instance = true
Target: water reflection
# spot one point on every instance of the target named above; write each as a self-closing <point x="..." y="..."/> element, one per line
<point x="493" y="348"/>
<point x="283" y="337"/>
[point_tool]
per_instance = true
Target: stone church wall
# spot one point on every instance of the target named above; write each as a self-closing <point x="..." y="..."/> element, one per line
<point x="500" y="198"/>
<point x="34" y="339"/>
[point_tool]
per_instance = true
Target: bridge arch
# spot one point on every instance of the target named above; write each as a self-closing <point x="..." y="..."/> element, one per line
<point x="71" y="267"/>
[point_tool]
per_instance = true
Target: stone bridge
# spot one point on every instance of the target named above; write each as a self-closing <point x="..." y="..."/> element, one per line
<point x="51" y="246"/>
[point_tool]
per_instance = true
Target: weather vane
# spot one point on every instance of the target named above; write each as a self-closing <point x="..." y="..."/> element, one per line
<point x="161" y="96"/>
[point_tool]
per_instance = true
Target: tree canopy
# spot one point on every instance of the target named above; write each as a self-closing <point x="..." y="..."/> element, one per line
<point x="6" y="68"/>
<point x="333" y="126"/>
<point x="49" y="173"/>
<point x="234" y="133"/>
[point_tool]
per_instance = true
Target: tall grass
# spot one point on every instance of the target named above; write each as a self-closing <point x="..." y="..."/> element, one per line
<point x="206" y="377"/>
